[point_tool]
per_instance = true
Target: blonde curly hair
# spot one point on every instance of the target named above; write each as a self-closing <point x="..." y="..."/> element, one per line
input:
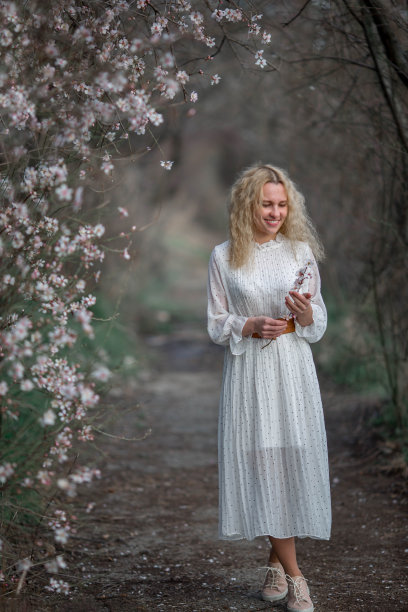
<point x="246" y="195"/>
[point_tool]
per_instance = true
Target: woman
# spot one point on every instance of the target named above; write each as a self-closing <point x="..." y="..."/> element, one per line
<point x="265" y="307"/>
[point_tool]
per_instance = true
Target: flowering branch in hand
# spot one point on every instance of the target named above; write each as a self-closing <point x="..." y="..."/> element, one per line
<point x="301" y="275"/>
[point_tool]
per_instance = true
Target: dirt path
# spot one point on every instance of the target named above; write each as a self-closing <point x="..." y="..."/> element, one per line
<point x="151" y="542"/>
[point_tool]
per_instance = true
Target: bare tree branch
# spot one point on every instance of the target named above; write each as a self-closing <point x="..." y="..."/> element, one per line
<point x="383" y="67"/>
<point x="382" y="19"/>
<point x="300" y="11"/>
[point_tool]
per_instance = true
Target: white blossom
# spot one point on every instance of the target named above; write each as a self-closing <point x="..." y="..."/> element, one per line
<point x="48" y="418"/>
<point x="167" y="164"/>
<point x="101" y="373"/>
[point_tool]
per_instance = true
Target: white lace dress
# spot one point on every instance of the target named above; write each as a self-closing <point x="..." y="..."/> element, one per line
<point x="273" y="468"/>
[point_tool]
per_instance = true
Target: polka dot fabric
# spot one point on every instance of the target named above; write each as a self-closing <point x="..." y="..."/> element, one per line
<point x="273" y="468"/>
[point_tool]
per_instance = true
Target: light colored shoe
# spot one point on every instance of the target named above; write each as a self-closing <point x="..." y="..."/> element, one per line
<point x="299" y="596"/>
<point x="275" y="586"/>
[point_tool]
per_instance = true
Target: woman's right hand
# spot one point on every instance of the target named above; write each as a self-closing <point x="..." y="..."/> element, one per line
<point x="265" y="327"/>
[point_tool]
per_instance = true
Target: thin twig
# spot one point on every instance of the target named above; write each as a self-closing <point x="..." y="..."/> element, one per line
<point x="300" y="11"/>
<point x="105" y="433"/>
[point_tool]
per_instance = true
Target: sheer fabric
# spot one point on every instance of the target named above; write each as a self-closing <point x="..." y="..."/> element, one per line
<point x="273" y="468"/>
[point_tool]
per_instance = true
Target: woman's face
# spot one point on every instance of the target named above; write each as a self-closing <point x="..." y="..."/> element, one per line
<point x="269" y="217"/>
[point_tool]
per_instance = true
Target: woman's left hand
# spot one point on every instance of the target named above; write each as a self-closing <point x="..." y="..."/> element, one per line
<point x="299" y="305"/>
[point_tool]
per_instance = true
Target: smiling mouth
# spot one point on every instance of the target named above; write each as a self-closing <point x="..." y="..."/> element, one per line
<point x="272" y="223"/>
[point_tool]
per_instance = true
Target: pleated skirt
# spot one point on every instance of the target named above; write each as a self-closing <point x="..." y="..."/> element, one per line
<point x="273" y="463"/>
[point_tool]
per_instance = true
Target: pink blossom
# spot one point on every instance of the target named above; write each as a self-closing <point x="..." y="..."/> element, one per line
<point x="218" y="15"/>
<point x="77" y="202"/>
<point x="182" y="77"/>
<point x="169" y="88"/>
<point x="27" y="482"/>
<point x="51" y="49"/>
<point x="136" y="46"/>
<point x="61" y="534"/>
<point x="168" y="60"/>
<point x="101" y="373"/>
<point x="56" y="564"/>
<point x="154" y="117"/>
<point x="233" y="15"/>
<point x="6" y="471"/>
<point x="44" y="291"/>
<point x="266" y="38"/>
<point x="37" y="243"/>
<point x="228" y="14"/>
<point x="27" y="385"/>
<point x="254" y="28"/>
<point x="88" y="397"/>
<point x="302" y="275"/>
<point x="259" y="59"/>
<point x="23" y="565"/>
<point x="107" y="166"/>
<point x="159" y="25"/>
<point x="85" y="474"/>
<point x="45" y="477"/>
<point x="88" y="301"/>
<point x="61" y="62"/>
<point x="17" y="370"/>
<point x="83" y="316"/>
<point x="18" y="240"/>
<point x="64" y="193"/>
<point x="67" y="486"/>
<point x="85" y="433"/>
<point x="160" y="73"/>
<point x="6" y="38"/>
<point x="196" y="17"/>
<point x="8" y="280"/>
<point x="58" y="586"/>
<point x="99" y="230"/>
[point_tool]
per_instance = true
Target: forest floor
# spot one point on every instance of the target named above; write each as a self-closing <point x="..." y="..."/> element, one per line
<point x="151" y="542"/>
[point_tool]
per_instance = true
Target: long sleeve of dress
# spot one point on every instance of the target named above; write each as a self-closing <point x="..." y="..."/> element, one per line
<point x="313" y="333"/>
<point x="224" y="327"/>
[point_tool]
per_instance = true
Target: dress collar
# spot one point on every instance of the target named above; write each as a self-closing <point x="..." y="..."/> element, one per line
<point x="271" y="244"/>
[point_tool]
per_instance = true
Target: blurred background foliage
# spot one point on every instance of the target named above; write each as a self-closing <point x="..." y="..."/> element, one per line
<point x="333" y="113"/>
